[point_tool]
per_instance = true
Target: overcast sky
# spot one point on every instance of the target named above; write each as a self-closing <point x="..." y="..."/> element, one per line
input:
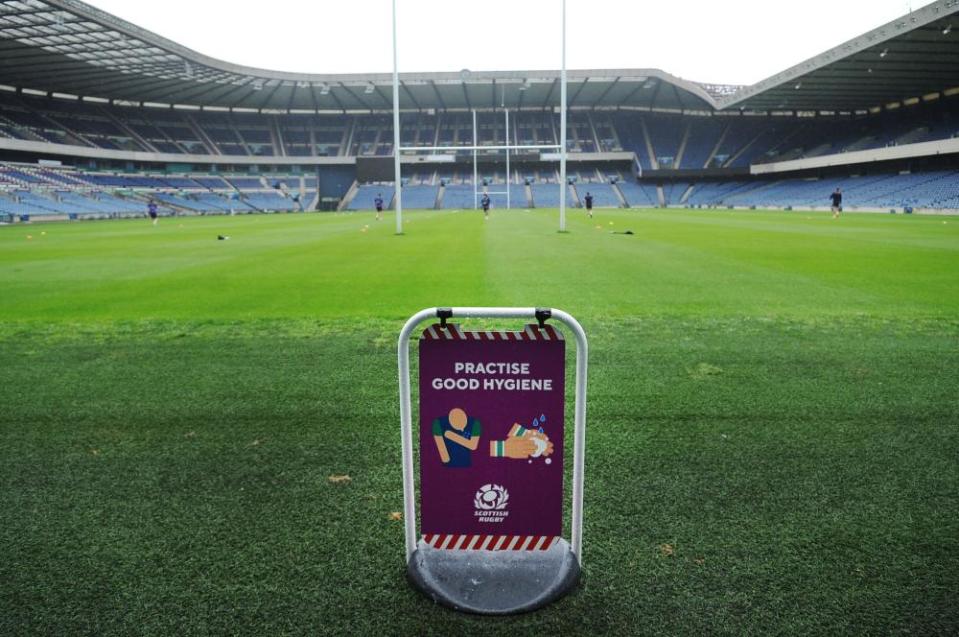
<point x="730" y="42"/>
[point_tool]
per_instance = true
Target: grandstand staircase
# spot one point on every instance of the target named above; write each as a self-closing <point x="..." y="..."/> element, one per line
<point x="440" y="193"/>
<point x="719" y="144"/>
<point x="619" y="195"/>
<point x="739" y="153"/>
<point x="860" y="144"/>
<point x="145" y="198"/>
<point x="749" y="189"/>
<point x="27" y="133"/>
<point x="816" y="151"/>
<point x="346" y="142"/>
<point x="660" y="196"/>
<point x="276" y="135"/>
<point x="678" y="160"/>
<point x="208" y="143"/>
<point x="574" y="195"/>
<point x="592" y="130"/>
<point x="122" y="125"/>
<point x="913" y="136"/>
<point x="786" y="139"/>
<point x="649" y="145"/>
<point x="314" y="203"/>
<point x="169" y="139"/>
<point x="236" y="133"/>
<point x="616" y="137"/>
<point x="73" y="137"/>
<point x="348" y="197"/>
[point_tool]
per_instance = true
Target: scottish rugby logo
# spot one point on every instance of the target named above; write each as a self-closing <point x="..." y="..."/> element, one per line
<point x="491" y="497"/>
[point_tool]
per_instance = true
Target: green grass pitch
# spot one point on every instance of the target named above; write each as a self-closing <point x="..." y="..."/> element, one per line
<point x="773" y="421"/>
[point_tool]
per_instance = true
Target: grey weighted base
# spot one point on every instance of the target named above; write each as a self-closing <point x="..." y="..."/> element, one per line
<point x="494" y="582"/>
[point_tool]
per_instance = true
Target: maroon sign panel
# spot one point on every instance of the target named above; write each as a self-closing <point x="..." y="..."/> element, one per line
<point x="491" y="438"/>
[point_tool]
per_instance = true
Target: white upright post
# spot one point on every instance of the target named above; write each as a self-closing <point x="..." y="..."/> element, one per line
<point x="475" y="171"/>
<point x="562" y="133"/>
<point x="509" y="175"/>
<point x="397" y="186"/>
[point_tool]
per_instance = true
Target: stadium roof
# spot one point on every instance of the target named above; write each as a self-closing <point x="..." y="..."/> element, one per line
<point x="70" y="47"/>
<point x="913" y="56"/>
<point x="66" y="46"/>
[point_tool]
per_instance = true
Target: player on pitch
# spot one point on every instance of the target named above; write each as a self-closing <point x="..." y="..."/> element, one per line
<point x="588" y="199"/>
<point x="378" y="202"/>
<point x="836" y="203"/>
<point x="152" y="211"/>
<point x="485" y="203"/>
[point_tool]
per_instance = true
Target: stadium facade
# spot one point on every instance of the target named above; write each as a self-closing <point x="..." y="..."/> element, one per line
<point x="98" y="115"/>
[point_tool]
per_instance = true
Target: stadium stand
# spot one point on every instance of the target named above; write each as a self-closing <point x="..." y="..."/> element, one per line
<point x="45" y="192"/>
<point x="663" y="140"/>
<point x="458" y="196"/>
<point x="675" y="141"/>
<point x="365" y="196"/>
<point x="420" y="196"/>
<point x="545" y="195"/>
<point x="603" y="195"/>
<point x="925" y="190"/>
<point x="639" y="195"/>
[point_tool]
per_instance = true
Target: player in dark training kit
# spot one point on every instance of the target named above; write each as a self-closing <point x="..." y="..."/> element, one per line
<point x="152" y="211"/>
<point x="485" y="203"/>
<point x="588" y="199"/>
<point x="836" y="203"/>
<point x="378" y="202"/>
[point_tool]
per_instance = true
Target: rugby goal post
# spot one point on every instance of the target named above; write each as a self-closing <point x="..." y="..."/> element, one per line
<point x="398" y="149"/>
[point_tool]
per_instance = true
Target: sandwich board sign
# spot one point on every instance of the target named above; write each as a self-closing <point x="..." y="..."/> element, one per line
<point x="492" y="445"/>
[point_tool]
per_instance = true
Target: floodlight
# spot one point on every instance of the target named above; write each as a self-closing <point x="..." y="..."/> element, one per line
<point x="369" y="88"/>
<point x="947" y="30"/>
<point x="884" y="53"/>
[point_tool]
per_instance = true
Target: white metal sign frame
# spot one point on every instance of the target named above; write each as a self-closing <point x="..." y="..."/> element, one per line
<point x="406" y="422"/>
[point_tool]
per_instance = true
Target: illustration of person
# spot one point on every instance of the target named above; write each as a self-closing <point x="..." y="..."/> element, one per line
<point x="457" y="436"/>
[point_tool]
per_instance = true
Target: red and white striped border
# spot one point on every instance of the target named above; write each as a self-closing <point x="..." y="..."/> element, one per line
<point x="456" y="542"/>
<point x="454" y="332"/>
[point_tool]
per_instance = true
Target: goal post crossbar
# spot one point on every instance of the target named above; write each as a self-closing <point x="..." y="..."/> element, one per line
<point x="426" y="149"/>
